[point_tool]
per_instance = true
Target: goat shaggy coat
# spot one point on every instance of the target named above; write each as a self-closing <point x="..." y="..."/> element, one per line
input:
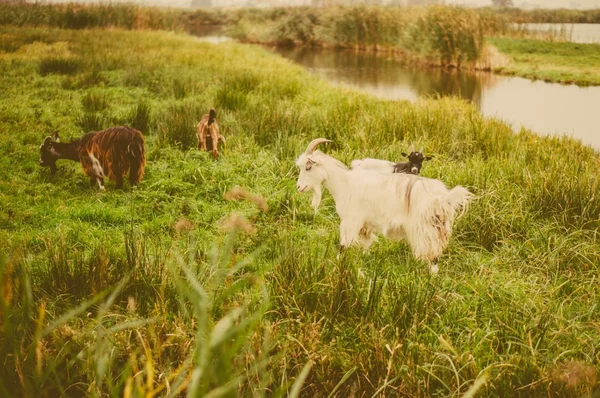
<point x="208" y="130"/>
<point x="118" y="150"/>
<point x="398" y="206"/>
<point x="110" y="153"/>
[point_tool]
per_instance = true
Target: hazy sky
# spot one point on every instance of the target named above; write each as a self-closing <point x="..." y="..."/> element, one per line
<point x="538" y="3"/>
<point x="518" y="3"/>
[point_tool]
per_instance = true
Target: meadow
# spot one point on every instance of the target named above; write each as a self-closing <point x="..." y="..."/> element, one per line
<point x="176" y="288"/>
<point x="436" y="36"/>
<point x="561" y="62"/>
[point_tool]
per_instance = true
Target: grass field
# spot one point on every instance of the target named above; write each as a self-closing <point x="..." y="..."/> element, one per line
<point x="169" y="288"/>
<point x="561" y="62"/>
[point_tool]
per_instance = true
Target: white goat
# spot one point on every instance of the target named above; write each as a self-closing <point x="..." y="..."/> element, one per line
<point x="384" y="166"/>
<point x="421" y="210"/>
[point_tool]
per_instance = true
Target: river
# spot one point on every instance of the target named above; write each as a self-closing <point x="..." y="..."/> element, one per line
<point x="545" y="108"/>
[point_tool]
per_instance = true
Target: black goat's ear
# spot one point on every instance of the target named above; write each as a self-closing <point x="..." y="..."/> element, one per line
<point x="404" y="154"/>
<point x="428" y="157"/>
<point x="47" y="141"/>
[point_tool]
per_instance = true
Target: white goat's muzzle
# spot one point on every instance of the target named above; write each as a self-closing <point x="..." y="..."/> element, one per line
<point x="301" y="188"/>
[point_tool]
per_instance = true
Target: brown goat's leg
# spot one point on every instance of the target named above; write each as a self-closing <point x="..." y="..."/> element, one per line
<point x="100" y="181"/>
<point x="215" y="142"/>
<point x="119" y="181"/>
<point x="201" y="143"/>
<point x="135" y="174"/>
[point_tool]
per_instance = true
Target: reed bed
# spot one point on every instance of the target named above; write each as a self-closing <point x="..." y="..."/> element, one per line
<point x="438" y="35"/>
<point x="562" y="15"/>
<point x="146" y="292"/>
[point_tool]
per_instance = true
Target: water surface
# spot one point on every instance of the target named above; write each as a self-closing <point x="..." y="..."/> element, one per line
<point x="545" y="108"/>
<point x="575" y="32"/>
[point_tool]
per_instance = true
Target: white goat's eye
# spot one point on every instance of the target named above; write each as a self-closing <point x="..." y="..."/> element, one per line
<point x="308" y="166"/>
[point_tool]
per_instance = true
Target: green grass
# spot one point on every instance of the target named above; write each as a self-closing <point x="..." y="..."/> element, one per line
<point x="561" y="15"/>
<point x="436" y="35"/>
<point x="145" y="290"/>
<point x="561" y="62"/>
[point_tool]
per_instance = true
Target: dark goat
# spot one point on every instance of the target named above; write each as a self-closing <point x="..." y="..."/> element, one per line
<point x="113" y="152"/>
<point x="414" y="164"/>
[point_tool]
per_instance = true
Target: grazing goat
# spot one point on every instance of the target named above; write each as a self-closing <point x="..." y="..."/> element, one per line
<point x="420" y="210"/>
<point x="413" y="166"/>
<point x="112" y="152"/>
<point x="208" y="130"/>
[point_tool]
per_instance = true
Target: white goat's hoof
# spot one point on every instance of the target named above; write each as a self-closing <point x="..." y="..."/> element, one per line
<point x="434" y="269"/>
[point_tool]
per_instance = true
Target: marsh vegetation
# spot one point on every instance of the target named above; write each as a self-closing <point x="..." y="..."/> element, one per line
<point x="160" y="290"/>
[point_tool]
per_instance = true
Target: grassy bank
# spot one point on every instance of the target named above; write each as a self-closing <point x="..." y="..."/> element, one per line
<point x="433" y="36"/>
<point x="560" y="62"/>
<point x="145" y="290"/>
<point x="447" y="36"/>
<point x="437" y="35"/>
<point x="550" y="15"/>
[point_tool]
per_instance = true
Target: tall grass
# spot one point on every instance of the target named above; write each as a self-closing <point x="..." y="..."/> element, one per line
<point x="79" y="16"/>
<point x="178" y="124"/>
<point x="141" y="118"/>
<point x="438" y="35"/>
<point x="61" y="65"/>
<point x="562" y="15"/>
<point x="144" y="292"/>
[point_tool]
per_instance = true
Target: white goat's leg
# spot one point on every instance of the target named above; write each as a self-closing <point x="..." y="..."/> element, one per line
<point x="433" y="268"/>
<point x="349" y="232"/>
<point x="316" y="199"/>
<point x="367" y="240"/>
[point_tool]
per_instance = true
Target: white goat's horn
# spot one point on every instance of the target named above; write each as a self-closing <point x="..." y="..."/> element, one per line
<point x="313" y="144"/>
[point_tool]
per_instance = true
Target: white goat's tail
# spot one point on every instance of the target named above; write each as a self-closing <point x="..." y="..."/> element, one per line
<point x="458" y="198"/>
<point x="430" y="225"/>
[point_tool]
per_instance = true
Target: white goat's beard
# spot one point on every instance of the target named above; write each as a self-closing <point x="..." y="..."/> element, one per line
<point x="316" y="199"/>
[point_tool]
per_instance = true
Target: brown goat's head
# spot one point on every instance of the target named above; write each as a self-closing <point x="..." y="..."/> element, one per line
<point x="48" y="154"/>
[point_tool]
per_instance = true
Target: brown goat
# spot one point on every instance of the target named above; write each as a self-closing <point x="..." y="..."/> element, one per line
<point x="113" y="152"/>
<point x="208" y="129"/>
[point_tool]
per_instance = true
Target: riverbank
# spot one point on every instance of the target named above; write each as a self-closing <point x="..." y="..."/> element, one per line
<point x="450" y="37"/>
<point x="560" y="62"/>
<point x="142" y="291"/>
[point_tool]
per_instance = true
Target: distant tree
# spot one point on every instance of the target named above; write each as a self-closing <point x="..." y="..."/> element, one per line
<point x="502" y="3"/>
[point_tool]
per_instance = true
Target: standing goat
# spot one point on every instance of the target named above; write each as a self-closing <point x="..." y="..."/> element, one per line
<point x="420" y="210"/>
<point x="413" y="166"/>
<point x="208" y="130"/>
<point x="113" y="152"/>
